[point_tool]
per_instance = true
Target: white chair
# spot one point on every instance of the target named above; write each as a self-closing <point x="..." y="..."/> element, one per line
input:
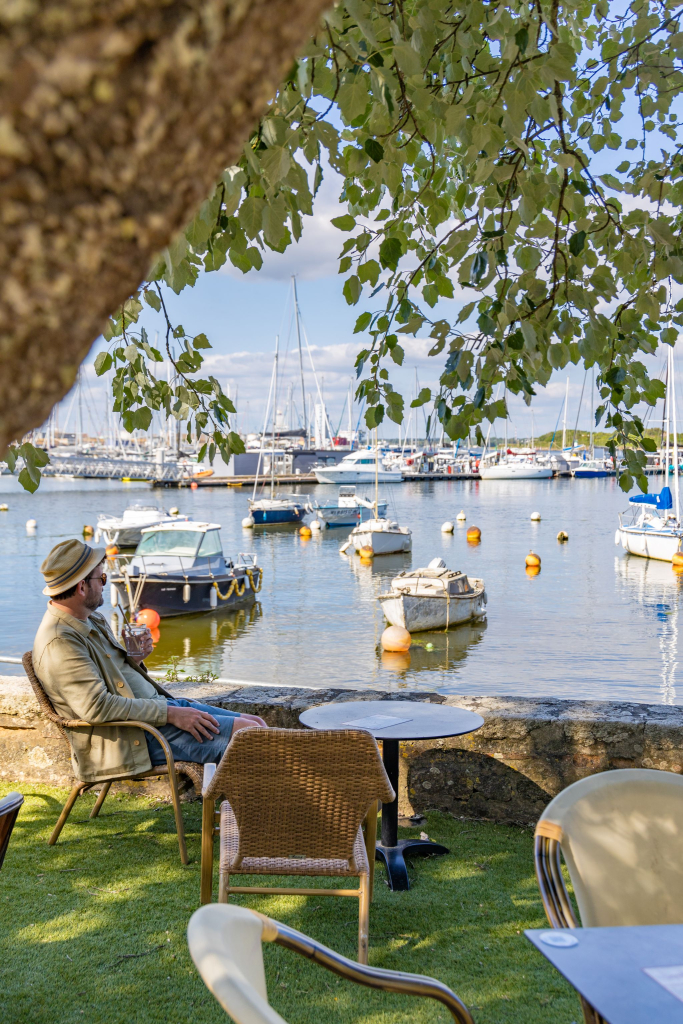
<point x="225" y="944"/>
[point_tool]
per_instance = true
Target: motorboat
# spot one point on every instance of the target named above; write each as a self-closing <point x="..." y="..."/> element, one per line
<point x="359" y="467"/>
<point x="594" y="468"/>
<point x="383" y="536"/>
<point x="179" y="569"/>
<point x="277" y="510"/>
<point x="126" y="530"/>
<point x="653" y="530"/>
<point x="348" y="510"/>
<point x="433" y="598"/>
<point x="513" y="465"/>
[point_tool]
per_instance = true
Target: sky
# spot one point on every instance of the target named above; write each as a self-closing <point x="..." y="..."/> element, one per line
<point x="242" y="315"/>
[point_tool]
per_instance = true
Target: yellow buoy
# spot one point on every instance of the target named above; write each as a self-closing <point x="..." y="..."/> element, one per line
<point x="532" y="570"/>
<point x="563" y="537"/>
<point x="366" y="552"/>
<point x="533" y="561"/>
<point x="88" y="531"/>
<point x="473" y="534"/>
<point x="395" y="638"/>
<point x="677" y="560"/>
<point x="305" y="531"/>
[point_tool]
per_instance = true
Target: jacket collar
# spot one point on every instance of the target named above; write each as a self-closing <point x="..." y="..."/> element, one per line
<point x="68" y="619"/>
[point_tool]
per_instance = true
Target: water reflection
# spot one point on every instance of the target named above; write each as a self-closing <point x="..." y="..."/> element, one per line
<point x="657" y="588"/>
<point x="200" y="641"/>
<point x="442" y="651"/>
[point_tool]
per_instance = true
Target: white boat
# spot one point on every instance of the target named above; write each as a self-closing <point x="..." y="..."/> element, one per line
<point x="382" y="535"/>
<point x="126" y="530"/>
<point x="514" y="466"/>
<point x="654" y="529"/>
<point x="348" y="510"/>
<point x="433" y="598"/>
<point x="360" y="467"/>
<point x="592" y="468"/>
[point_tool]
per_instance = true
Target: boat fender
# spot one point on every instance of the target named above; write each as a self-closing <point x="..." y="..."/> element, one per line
<point x="532" y="560"/>
<point x="447" y="527"/>
<point x="316" y="525"/>
<point x="113" y="596"/>
<point x="213" y="598"/>
<point x="247" y="523"/>
<point x="187" y="590"/>
<point x="617" y="537"/>
<point x="449" y="469"/>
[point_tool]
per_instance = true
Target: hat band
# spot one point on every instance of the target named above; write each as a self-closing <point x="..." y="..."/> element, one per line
<point x="87" y="552"/>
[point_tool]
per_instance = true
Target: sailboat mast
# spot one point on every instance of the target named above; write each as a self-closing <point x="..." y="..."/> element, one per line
<point x="675" y="429"/>
<point x="263" y="433"/>
<point x="376" y="475"/>
<point x="301" y="356"/>
<point x="564" y="421"/>
<point x="592" y="420"/>
<point x="272" y="456"/>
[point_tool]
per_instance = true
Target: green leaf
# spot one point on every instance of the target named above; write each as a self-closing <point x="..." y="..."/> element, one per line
<point x="390" y="252"/>
<point x="28" y="482"/>
<point x="201" y="341"/>
<point x="103" y="363"/>
<point x="362" y="322"/>
<point x="374" y="150"/>
<point x="344" y="223"/>
<point x="424" y="397"/>
<point x="353" y="290"/>
<point x="374" y="415"/>
<point x="576" y="242"/>
<point x="152" y="299"/>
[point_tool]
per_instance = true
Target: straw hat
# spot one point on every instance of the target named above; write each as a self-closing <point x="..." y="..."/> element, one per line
<point x="67" y="564"/>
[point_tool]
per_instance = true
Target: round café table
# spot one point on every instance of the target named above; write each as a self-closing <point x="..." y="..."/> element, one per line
<point x="392" y="721"/>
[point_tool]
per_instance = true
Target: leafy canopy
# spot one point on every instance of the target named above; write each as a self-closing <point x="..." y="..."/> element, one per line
<point x="467" y="135"/>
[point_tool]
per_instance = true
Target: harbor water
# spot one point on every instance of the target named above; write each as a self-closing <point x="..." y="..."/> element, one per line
<point x="594" y="623"/>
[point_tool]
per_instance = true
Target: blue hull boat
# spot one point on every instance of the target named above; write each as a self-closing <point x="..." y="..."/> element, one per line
<point x="276" y="511"/>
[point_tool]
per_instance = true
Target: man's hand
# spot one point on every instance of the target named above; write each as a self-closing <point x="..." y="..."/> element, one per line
<point x="146" y="643"/>
<point x="200" y="724"/>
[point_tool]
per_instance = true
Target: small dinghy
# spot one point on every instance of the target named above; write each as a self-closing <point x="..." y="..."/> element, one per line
<point x="382" y="535"/>
<point x="348" y="510"/>
<point x="433" y="598"/>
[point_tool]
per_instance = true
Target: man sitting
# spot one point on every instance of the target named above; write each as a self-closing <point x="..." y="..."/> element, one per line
<point x="88" y="675"/>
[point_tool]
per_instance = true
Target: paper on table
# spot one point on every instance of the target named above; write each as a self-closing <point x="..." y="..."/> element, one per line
<point x="377" y="721"/>
<point x="670" y="978"/>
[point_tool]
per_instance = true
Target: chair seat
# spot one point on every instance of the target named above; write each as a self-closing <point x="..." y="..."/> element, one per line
<point x="193" y="771"/>
<point x="229" y="842"/>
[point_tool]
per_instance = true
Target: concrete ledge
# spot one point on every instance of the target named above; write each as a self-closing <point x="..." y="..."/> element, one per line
<point x="526" y="752"/>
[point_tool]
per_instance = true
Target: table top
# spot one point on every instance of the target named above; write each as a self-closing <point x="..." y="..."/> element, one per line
<point x="608" y="967"/>
<point x="394" y="719"/>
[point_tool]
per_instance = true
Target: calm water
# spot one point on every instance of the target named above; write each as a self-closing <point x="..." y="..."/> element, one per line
<point x="595" y="623"/>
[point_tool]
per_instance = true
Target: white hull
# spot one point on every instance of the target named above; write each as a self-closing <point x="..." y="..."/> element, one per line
<point x="515" y="471"/>
<point x="648" y="543"/>
<point x="343" y="475"/>
<point x="418" y="614"/>
<point x="382" y="542"/>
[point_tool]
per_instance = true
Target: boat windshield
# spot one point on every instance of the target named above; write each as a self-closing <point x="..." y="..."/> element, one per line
<point x="170" y="542"/>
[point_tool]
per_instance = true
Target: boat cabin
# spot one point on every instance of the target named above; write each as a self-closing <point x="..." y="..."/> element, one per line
<point x="186" y="547"/>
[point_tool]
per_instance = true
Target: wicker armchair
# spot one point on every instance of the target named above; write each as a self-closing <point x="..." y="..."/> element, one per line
<point x="296" y="800"/>
<point x="171" y="769"/>
<point x="621" y="836"/>
<point x="9" y="809"/>
<point x="226" y="946"/>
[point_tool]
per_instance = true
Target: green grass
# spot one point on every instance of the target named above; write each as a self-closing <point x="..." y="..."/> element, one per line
<point x="93" y="929"/>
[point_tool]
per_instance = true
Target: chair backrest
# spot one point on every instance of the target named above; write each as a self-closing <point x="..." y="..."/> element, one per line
<point x="46" y="705"/>
<point x="301" y="792"/>
<point x="227" y="951"/>
<point x="9" y="809"/>
<point x="622" y="840"/>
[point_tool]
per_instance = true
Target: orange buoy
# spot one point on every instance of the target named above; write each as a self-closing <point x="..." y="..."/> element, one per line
<point x="148" y="617"/>
<point x="677" y="560"/>
<point x="395" y="638"/>
<point x="473" y="535"/>
<point x="533" y="561"/>
<point x="111" y="550"/>
<point x="396" y="661"/>
<point x="305" y="532"/>
<point x="532" y="570"/>
<point x="194" y="485"/>
<point x="366" y="552"/>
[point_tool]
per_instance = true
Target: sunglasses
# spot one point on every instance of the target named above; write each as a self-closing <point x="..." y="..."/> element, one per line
<point x="102" y="578"/>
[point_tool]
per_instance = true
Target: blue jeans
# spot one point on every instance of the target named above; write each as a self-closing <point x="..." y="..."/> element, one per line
<point x="184" y="746"/>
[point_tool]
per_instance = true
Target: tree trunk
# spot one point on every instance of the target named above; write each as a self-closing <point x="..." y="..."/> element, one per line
<point x="116" y="119"/>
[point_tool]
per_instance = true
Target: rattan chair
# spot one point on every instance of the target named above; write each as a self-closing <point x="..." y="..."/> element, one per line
<point x="9" y="809"/>
<point x="296" y="800"/>
<point x="226" y="946"/>
<point x="621" y="836"/>
<point x="171" y="769"/>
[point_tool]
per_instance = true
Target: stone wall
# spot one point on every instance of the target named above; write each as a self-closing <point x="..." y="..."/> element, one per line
<point x="526" y="752"/>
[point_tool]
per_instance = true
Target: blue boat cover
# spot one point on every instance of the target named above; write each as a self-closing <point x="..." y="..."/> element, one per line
<point x="662" y="501"/>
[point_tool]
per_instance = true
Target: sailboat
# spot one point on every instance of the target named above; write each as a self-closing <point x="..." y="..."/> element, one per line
<point x="278" y="509"/>
<point x="383" y="536"/>
<point x="654" y="528"/>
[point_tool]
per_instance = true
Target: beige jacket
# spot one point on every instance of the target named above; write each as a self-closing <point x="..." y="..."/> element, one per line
<point x="75" y="662"/>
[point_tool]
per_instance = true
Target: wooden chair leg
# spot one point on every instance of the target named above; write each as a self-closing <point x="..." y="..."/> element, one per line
<point x="66" y="811"/>
<point x="363" y="919"/>
<point x="179" y="824"/>
<point x="206" y="883"/>
<point x="370" y="835"/>
<point x="223" y="883"/>
<point x="100" y="799"/>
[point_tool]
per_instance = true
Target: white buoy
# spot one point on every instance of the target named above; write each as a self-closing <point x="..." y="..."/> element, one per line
<point x="248" y="522"/>
<point x="535" y="517"/>
<point x="4" y="508"/>
<point x="315" y="525"/>
<point x="447" y="527"/>
<point x="174" y="511"/>
<point x="31" y="526"/>
<point x="461" y="517"/>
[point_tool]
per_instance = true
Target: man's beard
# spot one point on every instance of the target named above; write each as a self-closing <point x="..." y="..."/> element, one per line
<point x="92" y="603"/>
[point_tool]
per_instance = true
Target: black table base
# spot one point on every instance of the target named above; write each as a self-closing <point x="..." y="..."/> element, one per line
<point x="390" y="851"/>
